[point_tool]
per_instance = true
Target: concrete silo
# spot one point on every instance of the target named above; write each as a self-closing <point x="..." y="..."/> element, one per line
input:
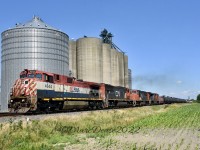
<point x="130" y="78"/>
<point x="33" y="45"/>
<point x="106" y="50"/>
<point x="126" y="71"/>
<point x="72" y="58"/>
<point x="115" y="67"/>
<point x="89" y="59"/>
<point x="121" y="68"/>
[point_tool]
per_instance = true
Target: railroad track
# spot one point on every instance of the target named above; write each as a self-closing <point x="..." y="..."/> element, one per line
<point x="7" y="114"/>
<point x="15" y="114"/>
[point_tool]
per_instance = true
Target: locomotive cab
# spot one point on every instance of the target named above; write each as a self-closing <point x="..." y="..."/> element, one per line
<point x="23" y="93"/>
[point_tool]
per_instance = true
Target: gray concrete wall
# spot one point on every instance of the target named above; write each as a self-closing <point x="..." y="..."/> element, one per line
<point x="72" y="58"/>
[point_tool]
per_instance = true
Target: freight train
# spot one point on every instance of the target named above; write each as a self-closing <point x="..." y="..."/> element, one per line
<point x="37" y="91"/>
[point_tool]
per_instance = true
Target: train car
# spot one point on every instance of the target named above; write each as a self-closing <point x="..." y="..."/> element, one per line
<point x="153" y="98"/>
<point x="114" y="94"/>
<point x="135" y="97"/>
<point x="170" y="100"/>
<point x="140" y="98"/>
<point x="144" y="97"/>
<point x="160" y="100"/>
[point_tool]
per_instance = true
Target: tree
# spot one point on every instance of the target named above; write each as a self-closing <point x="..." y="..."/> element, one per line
<point x="198" y="98"/>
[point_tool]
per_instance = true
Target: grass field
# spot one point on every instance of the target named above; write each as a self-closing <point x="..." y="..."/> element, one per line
<point x="151" y="127"/>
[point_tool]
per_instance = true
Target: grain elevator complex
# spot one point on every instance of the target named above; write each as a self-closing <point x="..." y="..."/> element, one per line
<point x="93" y="60"/>
<point x="37" y="46"/>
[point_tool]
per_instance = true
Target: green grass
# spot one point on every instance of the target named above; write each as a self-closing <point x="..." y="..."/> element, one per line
<point x="56" y="133"/>
<point x="184" y="117"/>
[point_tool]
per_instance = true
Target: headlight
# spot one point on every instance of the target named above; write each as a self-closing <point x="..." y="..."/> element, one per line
<point x="11" y="100"/>
<point x="23" y="100"/>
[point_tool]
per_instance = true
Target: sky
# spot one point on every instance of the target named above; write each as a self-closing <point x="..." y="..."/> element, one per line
<point x="160" y="37"/>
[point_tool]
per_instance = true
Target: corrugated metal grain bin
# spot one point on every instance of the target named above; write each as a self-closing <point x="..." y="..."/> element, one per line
<point x="33" y="45"/>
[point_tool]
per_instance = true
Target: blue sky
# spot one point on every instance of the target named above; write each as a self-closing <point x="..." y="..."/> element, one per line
<point x="161" y="38"/>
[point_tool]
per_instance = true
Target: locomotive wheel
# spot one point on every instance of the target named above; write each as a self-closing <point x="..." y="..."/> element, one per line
<point x="11" y="110"/>
<point x="149" y="103"/>
<point x="134" y="103"/>
<point x="105" y="103"/>
<point x="99" y="105"/>
<point x="92" y="105"/>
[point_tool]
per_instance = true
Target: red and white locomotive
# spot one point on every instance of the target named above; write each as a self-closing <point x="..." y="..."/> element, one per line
<point x="42" y="91"/>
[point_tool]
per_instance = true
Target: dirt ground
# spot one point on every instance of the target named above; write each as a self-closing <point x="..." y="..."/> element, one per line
<point x="163" y="139"/>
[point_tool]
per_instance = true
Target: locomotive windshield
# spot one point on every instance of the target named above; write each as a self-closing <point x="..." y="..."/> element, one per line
<point x="22" y="75"/>
<point x="31" y="75"/>
<point x="39" y="76"/>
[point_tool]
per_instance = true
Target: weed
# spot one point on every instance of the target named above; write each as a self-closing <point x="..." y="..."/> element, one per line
<point x="182" y="141"/>
<point x="1" y="126"/>
<point x="197" y="147"/>
<point x="134" y="146"/>
<point x="188" y="146"/>
<point x="108" y="142"/>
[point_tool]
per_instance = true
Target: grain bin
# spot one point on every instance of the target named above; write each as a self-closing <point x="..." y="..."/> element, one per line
<point x="33" y="45"/>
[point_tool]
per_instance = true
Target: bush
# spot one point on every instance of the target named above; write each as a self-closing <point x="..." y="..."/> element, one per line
<point x="198" y="98"/>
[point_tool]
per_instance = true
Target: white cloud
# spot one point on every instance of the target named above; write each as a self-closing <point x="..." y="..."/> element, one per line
<point x="186" y="92"/>
<point x="179" y="82"/>
<point x="172" y="93"/>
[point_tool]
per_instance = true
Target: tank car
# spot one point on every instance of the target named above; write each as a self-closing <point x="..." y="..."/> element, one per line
<point x="169" y="100"/>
